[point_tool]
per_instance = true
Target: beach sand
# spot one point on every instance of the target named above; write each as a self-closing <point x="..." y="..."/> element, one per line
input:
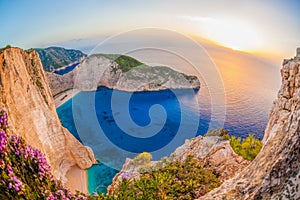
<point x="64" y="97"/>
<point x="77" y="180"/>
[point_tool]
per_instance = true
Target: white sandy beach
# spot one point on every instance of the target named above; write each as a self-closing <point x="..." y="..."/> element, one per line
<point x="64" y="97"/>
<point x="77" y="179"/>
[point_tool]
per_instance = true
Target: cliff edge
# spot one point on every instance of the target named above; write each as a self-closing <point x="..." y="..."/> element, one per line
<point x="25" y="93"/>
<point x="275" y="172"/>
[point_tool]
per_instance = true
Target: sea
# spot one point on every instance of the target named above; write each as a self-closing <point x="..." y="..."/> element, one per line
<point x="117" y="124"/>
<point x="236" y="93"/>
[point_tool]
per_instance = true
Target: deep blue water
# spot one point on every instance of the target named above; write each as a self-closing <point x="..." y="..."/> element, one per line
<point x="66" y="70"/>
<point x="117" y="125"/>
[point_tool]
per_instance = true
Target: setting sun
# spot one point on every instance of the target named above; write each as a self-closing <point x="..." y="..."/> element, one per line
<point x="235" y="34"/>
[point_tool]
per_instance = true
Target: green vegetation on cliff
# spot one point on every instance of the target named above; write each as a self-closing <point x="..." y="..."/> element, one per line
<point x="175" y="180"/>
<point x="126" y="63"/>
<point x="142" y="159"/>
<point x="6" y="47"/>
<point x="56" y="57"/>
<point x="247" y="147"/>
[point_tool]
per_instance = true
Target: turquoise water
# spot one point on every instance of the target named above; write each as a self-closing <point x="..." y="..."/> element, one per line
<point x="117" y="125"/>
<point x="99" y="177"/>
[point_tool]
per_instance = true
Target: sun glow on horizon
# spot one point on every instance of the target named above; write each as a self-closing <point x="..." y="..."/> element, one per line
<point x="231" y="33"/>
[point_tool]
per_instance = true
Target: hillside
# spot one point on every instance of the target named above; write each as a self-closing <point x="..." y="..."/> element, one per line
<point x="56" y="57"/>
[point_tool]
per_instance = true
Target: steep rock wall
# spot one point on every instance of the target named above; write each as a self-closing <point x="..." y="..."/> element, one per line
<point x="275" y="172"/>
<point x="25" y="93"/>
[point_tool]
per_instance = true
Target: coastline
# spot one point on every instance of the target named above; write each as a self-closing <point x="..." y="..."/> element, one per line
<point x="64" y="97"/>
<point x="68" y="94"/>
<point x="77" y="179"/>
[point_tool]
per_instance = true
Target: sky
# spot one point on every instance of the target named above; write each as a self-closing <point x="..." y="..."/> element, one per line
<point x="269" y="26"/>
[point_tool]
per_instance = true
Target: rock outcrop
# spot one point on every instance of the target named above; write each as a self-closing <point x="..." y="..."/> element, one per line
<point x="25" y="93"/>
<point x="214" y="151"/>
<point x="275" y="172"/>
<point x="61" y="83"/>
<point x="98" y="70"/>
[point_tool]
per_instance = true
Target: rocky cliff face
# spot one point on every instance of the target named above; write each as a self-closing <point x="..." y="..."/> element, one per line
<point x="275" y="172"/>
<point x="25" y="93"/>
<point x="214" y="151"/>
<point x="61" y="83"/>
<point x="98" y="70"/>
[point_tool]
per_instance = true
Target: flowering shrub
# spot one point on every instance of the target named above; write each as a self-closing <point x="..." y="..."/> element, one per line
<point x="25" y="173"/>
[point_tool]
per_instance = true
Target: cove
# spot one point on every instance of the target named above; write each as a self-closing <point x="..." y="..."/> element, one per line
<point x="118" y="124"/>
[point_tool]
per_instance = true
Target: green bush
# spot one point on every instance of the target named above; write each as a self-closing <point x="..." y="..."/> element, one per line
<point x="176" y="180"/>
<point x="142" y="159"/>
<point x="29" y="50"/>
<point x="6" y="47"/>
<point x="248" y="147"/>
<point x="127" y="63"/>
<point x="39" y="84"/>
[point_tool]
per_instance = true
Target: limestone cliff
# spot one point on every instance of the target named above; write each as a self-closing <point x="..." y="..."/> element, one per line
<point x="214" y="151"/>
<point x="275" y="172"/>
<point x="98" y="70"/>
<point x="25" y="93"/>
<point x="61" y="83"/>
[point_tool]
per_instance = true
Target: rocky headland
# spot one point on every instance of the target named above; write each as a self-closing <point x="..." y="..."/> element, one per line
<point x="121" y="73"/>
